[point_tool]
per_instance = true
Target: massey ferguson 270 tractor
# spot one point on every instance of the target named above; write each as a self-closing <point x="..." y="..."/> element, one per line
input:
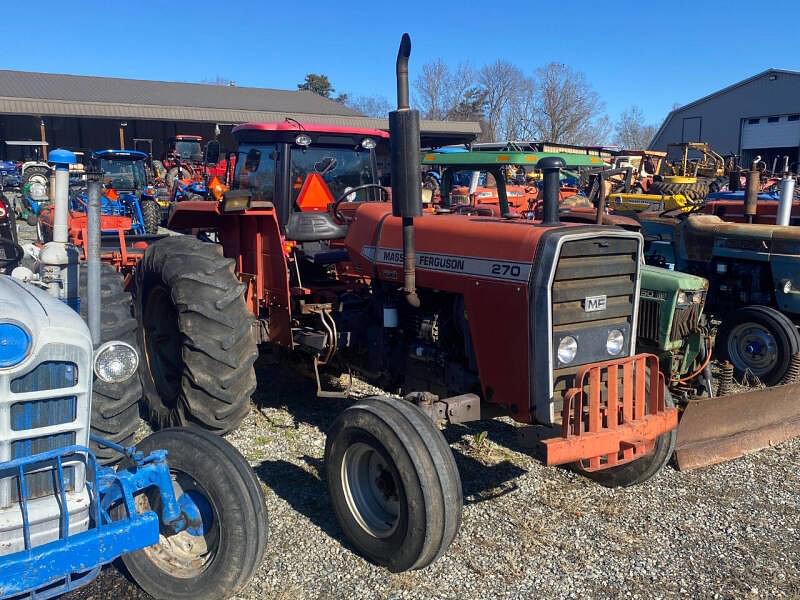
<point x="460" y="313"/>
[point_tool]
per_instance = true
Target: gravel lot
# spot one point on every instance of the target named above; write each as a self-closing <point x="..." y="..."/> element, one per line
<point x="729" y="531"/>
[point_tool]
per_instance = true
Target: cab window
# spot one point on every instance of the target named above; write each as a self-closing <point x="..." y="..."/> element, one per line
<point x="255" y="170"/>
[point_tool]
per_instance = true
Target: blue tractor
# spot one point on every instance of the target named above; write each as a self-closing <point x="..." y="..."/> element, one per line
<point x="127" y="191"/>
<point x="182" y="509"/>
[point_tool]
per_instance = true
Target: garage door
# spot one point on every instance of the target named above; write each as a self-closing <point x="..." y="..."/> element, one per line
<point x="771" y="132"/>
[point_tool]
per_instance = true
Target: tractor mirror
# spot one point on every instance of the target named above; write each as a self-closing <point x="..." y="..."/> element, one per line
<point x="212" y="152"/>
<point x="252" y="160"/>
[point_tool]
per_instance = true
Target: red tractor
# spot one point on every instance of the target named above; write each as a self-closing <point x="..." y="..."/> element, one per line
<point x="465" y="315"/>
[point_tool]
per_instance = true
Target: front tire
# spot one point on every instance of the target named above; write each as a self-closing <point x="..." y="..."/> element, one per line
<point x="641" y="469"/>
<point x="759" y="340"/>
<point x="196" y="335"/>
<point x="221" y="559"/>
<point x="393" y="483"/>
<point x="151" y="213"/>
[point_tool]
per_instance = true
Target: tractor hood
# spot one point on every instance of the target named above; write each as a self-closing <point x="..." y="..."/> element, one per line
<point x="449" y="248"/>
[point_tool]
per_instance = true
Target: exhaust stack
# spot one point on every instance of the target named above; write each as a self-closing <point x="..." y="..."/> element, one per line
<point x="93" y="255"/>
<point x="551" y="168"/>
<point x="751" y="193"/>
<point x="406" y="180"/>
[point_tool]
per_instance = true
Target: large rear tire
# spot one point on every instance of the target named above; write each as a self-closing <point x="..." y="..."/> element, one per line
<point x="115" y="406"/>
<point x="393" y="483"/>
<point x="220" y="559"/>
<point x="196" y="335"/>
<point x="642" y="469"/>
<point x="760" y="341"/>
<point x="37" y="178"/>
<point x="692" y="191"/>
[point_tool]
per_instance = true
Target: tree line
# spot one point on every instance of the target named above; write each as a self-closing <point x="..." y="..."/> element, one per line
<point x="556" y="103"/>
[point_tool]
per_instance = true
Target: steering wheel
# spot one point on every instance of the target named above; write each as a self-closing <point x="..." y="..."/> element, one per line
<point x="343" y="197"/>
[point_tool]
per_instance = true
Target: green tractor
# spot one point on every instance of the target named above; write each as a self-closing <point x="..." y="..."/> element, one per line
<point x="672" y="326"/>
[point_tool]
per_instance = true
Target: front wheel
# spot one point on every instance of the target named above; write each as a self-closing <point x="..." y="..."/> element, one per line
<point x="760" y="341"/>
<point x="393" y="482"/>
<point x="151" y="214"/>
<point x="218" y="557"/>
<point x="641" y="469"/>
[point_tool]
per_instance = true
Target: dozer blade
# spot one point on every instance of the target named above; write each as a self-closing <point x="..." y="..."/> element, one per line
<point x="713" y="430"/>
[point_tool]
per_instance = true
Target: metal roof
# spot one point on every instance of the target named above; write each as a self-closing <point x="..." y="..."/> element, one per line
<point x="485" y="158"/>
<point x="46" y="94"/>
<point x="724" y="90"/>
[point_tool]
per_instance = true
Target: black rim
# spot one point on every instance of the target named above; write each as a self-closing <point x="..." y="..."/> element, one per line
<point x="163" y="344"/>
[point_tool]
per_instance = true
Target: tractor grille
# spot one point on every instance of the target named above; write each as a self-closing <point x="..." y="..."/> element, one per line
<point x="649" y="319"/>
<point x="42" y="412"/>
<point x="604" y="268"/>
<point x="685" y="321"/>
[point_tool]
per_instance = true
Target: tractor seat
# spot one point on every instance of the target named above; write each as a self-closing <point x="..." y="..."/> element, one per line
<point x="313" y="226"/>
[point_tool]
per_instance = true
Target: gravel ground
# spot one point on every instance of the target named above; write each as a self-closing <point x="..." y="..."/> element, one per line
<point x="728" y="531"/>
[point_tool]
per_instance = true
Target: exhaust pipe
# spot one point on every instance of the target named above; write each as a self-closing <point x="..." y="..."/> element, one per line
<point x="93" y="255"/>
<point x="751" y="194"/>
<point x="406" y="179"/>
<point x="551" y="168"/>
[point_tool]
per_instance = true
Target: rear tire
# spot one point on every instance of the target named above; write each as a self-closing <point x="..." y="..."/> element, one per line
<point x="151" y="213"/>
<point x="223" y="559"/>
<point x="692" y="191"/>
<point x="759" y="340"/>
<point x="196" y="336"/>
<point x="642" y="469"/>
<point x="39" y="178"/>
<point x="115" y="406"/>
<point x="393" y="483"/>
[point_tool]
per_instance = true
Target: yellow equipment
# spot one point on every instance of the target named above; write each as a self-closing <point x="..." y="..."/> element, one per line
<point x="642" y="202"/>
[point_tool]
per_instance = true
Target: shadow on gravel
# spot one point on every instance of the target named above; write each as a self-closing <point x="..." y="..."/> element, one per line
<point x="282" y="385"/>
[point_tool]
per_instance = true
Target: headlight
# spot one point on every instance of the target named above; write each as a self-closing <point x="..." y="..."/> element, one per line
<point x="681" y="297"/>
<point x="115" y="362"/>
<point x="15" y="343"/>
<point x="786" y="286"/>
<point x="368" y="143"/>
<point x="303" y="140"/>
<point x="615" y="342"/>
<point x="567" y="349"/>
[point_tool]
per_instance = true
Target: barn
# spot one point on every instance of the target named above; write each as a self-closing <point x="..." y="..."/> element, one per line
<point x="759" y="116"/>
<point x="87" y="113"/>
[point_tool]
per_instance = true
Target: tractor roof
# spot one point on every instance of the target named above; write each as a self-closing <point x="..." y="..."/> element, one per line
<point x="120" y="154"/>
<point x="486" y="159"/>
<point x="288" y="126"/>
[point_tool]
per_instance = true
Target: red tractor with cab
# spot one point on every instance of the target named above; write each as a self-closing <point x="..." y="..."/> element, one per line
<point x="467" y="316"/>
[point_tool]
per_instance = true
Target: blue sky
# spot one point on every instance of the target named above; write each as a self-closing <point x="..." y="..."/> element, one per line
<point x="631" y="53"/>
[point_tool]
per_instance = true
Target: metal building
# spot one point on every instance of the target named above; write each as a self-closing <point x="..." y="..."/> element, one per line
<point x="87" y="113"/>
<point x="759" y="116"/>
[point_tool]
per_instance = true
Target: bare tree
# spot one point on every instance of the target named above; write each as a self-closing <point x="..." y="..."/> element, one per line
<point x="565" y="108"/>
<point x="439" y="89"/>
<point x="501" y="84"/>
<point x="631" y="132"/>
<point x="371" y="106"/>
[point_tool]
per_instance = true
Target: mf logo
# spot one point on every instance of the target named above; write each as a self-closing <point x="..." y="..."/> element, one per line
<point x="594" y="303"/>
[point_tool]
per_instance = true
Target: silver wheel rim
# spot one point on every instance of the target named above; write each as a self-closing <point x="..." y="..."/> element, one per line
<point x="371" y="490"/>
<point x="752" y="347"/>
<point x="183" y="555"/>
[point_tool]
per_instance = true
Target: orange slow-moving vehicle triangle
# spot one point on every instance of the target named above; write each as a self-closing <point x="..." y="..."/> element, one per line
<point x="314" y="195"/>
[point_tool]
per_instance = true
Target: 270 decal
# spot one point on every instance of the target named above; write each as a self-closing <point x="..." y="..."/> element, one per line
<point x="505" y="270"/>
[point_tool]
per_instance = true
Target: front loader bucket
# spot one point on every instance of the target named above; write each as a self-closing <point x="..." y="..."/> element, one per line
<point x="713" y="430"/>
